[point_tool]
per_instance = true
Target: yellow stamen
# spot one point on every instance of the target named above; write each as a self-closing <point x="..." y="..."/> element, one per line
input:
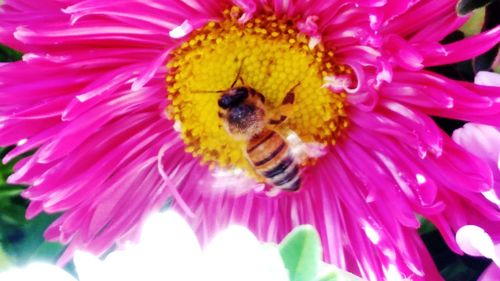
<point x="274" y="56"/>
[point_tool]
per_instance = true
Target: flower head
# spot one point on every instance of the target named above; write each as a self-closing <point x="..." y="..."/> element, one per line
<point x="122" y="101"/>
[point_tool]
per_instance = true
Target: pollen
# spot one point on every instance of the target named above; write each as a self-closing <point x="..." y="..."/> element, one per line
<point x="272" y="56"/>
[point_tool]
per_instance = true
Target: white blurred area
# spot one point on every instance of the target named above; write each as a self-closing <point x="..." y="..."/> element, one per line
<point x="35" y="272"/>
<point x="169" y="250"/>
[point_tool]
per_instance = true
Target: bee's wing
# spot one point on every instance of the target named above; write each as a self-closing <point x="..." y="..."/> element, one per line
<point x="234" y="181"/>
<point x="302" y="150"/>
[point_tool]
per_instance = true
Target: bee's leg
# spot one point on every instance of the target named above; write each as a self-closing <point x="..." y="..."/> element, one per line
<point x="285" y="108"/>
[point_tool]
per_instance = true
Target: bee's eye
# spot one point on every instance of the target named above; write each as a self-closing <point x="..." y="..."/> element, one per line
<point x="225" y="101"/>
<point x="233" y="97"/>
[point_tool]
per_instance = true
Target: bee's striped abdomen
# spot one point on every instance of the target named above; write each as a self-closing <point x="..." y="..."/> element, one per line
<point x="272" y="158"/>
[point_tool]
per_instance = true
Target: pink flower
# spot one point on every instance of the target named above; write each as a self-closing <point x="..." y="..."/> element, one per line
<point x="90" y="96"/>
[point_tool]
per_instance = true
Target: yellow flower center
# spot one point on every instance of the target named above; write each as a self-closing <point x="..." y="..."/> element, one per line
<point x="272" y="56"/>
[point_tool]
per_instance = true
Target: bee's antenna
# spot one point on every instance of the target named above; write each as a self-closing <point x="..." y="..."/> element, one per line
<point x="238" y="77"/>
<point x="208" y="92"/>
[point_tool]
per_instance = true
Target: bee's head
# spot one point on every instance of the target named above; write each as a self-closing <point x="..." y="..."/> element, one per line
<point x="233" y="97"/>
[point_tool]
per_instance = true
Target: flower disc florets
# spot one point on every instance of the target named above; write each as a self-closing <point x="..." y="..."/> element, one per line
<point x="274" y="56"/>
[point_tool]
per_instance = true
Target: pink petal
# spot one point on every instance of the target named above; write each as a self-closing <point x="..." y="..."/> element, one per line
<point x="482" y="141"/>
<point x="464" y="49"/>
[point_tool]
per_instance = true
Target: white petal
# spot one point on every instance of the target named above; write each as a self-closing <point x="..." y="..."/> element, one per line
<point x="482" y="141"/>
<point x="88" y="267"/>
<point x="182" y="30"/>
<point x="487" y="78"/>
<point x="236" y="254"/>
<point x="168" y="247"/>
<point x="169" y="234"/>
<point x="132" y="264"/>
<point x="38" y="272"/>
<point x="474" y="241"/>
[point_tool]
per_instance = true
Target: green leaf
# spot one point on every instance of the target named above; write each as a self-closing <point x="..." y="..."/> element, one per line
<point x="4" y="260"/>
<point x="13" y="214"/>
<point x="466" y="6"/>
<point x="474" y="24"/>
<point x="27" y="243"/>
<point x="301" y="252"/>
<point x="425" y="226"/>
<point x="48" y="252"/>
<point x="485" y="62"/>
<point x="7" y="190"/>
<point x="7" y="54"/>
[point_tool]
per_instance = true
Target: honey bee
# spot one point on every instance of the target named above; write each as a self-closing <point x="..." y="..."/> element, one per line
<point x="245" y="116"/>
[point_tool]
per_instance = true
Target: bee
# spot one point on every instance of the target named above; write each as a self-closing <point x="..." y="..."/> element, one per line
<point x="245" y="116"/>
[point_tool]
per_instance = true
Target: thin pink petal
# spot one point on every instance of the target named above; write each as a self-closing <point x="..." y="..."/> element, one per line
<point x="464" y="49"/>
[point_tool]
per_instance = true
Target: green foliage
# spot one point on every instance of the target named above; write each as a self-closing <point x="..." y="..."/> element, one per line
<point x="26" y="243"/>
<point x="466" y="6"/>
<point x="11" y="205"/>
<point x="7" y="54"/>
<point x="484" y="16"/>
<point x="475" y="23"/>
<point x="21" y="241"/>
<point x="7" y="190"/>
<point x="425" y="226"/>
<point x="4" y="260"/>
<point x="302" y="255"/>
